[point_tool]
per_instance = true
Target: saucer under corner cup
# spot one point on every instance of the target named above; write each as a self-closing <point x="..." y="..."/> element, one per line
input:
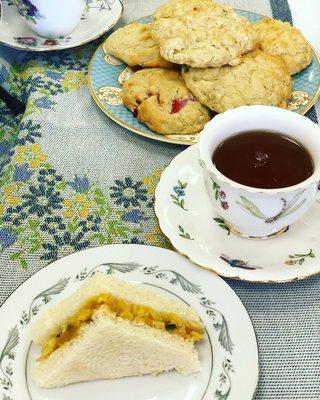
<point x="188" y="220"/>
<point x="98" y="18"/>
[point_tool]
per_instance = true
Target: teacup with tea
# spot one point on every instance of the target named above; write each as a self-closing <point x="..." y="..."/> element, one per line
<point x="51" y="18"/>
<point x="261" y="168"/>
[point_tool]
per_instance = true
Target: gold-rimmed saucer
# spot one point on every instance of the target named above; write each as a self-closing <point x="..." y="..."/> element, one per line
<point x="188" y="220"/>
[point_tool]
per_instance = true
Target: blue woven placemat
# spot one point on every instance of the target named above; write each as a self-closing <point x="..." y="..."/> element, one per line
<point x="70" y="178"/>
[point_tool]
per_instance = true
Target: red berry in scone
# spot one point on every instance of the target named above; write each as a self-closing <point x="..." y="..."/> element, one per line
<point x="159" y="98"/>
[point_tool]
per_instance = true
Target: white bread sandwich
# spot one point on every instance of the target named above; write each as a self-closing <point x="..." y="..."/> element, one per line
<point x="110" y="328"/>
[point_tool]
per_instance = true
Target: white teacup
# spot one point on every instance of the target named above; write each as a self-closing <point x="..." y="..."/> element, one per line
<point x="51" y="18"/>
<point x="253" y="212"/>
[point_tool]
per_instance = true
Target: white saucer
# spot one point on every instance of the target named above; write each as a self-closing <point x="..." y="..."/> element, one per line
<point x="228" y="353"/>
<point x="100" y="16"/>
<point x="187" y="218"/>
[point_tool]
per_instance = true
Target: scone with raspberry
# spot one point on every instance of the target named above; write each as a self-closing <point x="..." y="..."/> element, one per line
<point x="159" y="98"/>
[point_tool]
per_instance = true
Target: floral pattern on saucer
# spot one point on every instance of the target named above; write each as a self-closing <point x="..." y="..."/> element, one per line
<point x="36" y="41"/>
<point x="197" y="232"/>
<point x="299" y="259"/>
<point x="179" y="194"/>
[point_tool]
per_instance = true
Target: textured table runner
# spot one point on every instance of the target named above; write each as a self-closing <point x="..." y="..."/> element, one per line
<point x="71" y="178"/>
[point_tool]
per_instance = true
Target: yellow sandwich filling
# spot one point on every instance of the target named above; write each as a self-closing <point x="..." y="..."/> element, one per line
<point x="165" y="321"/>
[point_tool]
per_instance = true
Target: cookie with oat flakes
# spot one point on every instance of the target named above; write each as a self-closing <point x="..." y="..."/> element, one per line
<point x="260" y="79"/>
<point x="159" y="98"/>
<point x="282" y="39"/>
<point x="134" y="45"/>
<point x="201" y="33"/>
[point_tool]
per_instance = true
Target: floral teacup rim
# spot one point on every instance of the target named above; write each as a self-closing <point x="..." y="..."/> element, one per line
<point x="272" y="112"/>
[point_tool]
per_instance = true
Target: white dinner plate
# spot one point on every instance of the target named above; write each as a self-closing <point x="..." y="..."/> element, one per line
<point x="228" y="353"/>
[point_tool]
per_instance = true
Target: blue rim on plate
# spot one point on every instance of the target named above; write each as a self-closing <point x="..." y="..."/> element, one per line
<point x="105" y="88"/>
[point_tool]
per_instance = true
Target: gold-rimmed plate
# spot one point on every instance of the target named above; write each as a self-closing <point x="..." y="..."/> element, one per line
<point x="107" y="74"/>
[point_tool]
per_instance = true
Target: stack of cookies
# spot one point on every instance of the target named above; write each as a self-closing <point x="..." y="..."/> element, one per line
<point x="198" y="56"/>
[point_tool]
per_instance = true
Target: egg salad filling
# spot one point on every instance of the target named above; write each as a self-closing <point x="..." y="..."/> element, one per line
<point x="165" y="321"/>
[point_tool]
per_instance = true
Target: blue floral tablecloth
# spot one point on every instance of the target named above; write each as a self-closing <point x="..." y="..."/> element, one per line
<point x="70" y="178"/>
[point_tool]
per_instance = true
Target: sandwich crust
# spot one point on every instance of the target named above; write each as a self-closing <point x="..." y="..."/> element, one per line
<point x="109" y="348"/>
<point x="201" y="33"/>
<point x="159" y="98"/>
<point x="52" y="321"/>
<point x="260" y="79"/>
<point x="134" y="45"/>
<point x="117" y="307"/>
<point x="282" y="39"/>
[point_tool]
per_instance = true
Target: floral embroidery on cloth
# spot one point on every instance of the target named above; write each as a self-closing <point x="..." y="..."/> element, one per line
<point x="43" y="215"/>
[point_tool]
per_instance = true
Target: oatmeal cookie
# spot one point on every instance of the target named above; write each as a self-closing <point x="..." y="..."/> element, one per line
<point x="260" y="79"/>
<point x="282" y="39"/>
<point x="201" y="33"/>
<point x="159" y="98"/>
<point x="134" y="45"/>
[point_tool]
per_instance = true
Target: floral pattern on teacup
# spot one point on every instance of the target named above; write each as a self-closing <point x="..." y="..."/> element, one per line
<point x="288" y="207"/>
<point x="220" y="195"/>
<point x="28" y="10"/>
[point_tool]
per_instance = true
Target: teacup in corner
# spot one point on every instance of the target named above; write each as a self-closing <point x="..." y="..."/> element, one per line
<point x="51" y="18"/>
<point x="257" y="212"/>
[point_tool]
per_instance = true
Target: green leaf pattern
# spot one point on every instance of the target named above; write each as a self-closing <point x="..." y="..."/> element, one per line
<point x="185" y="284"/>
<point x="219" y="324"/>
<point x="299" y="258"/>
<point x="288" y="207"/>
<point x="13" y="336"/>
<point x="42" y="298"/>
<point x="184" y="234"/>
<point x="8" y="354"/>
<point x="109" y="268"/>
<point x="221" y="223"/>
